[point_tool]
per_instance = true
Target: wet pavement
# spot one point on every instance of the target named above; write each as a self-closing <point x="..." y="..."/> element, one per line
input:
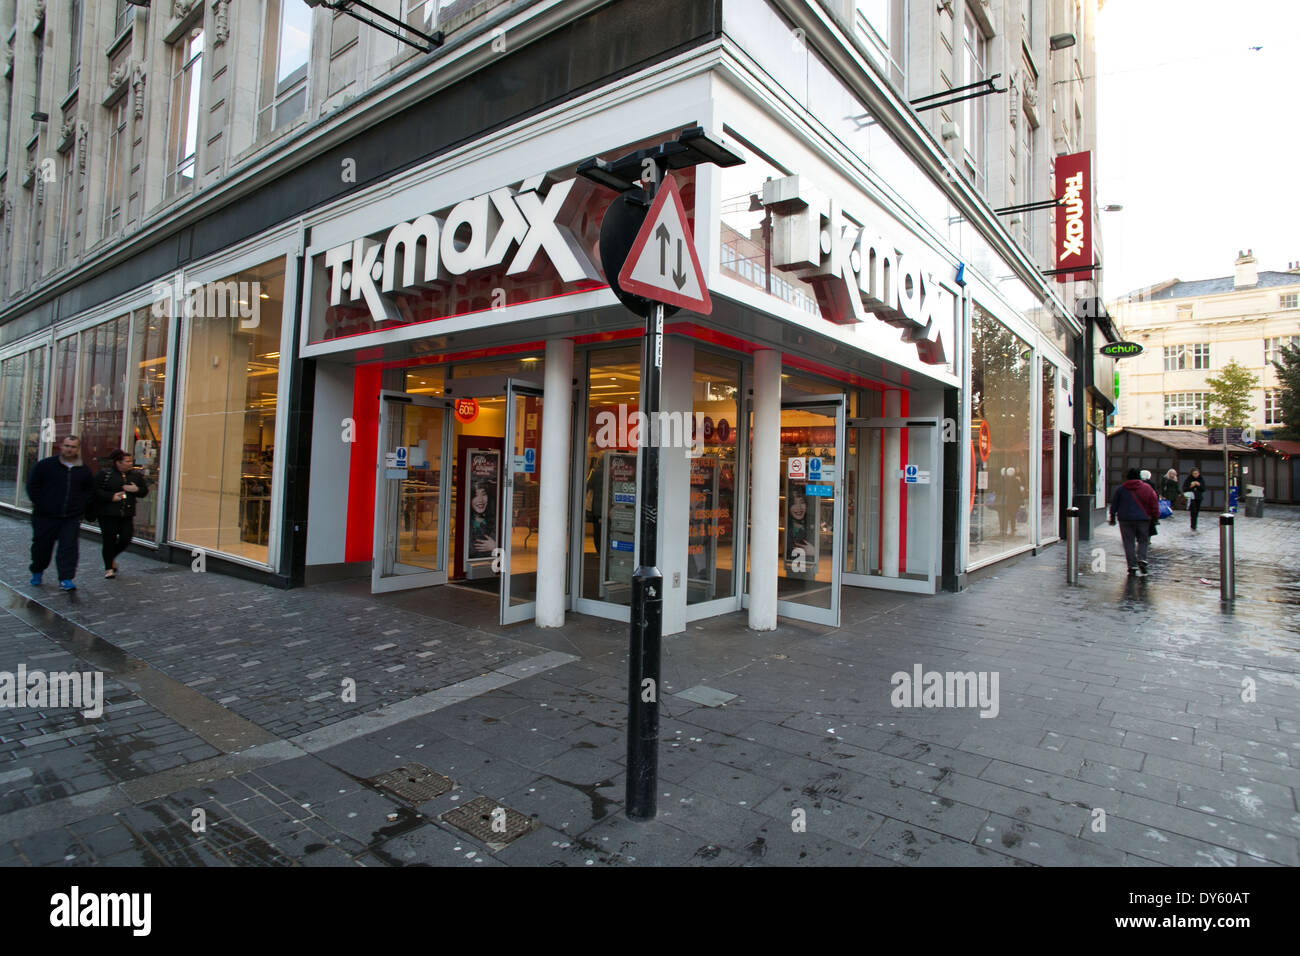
<point x="1138" y="722"/>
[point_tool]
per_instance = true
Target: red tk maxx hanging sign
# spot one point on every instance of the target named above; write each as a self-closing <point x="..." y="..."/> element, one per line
<point x="1074" y="216"/>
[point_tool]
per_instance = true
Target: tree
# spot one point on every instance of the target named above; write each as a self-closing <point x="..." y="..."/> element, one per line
<point x="1288" y="376"/>
<point x="1230" y="394"/>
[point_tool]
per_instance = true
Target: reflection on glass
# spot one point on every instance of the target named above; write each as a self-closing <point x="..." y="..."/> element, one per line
<point x="1047" y="467"/>
<point x="145" y="438"/>
<point x="229" y="416"/>
<point x="33" y="415"/>
<point x="711" y="538"/>
<point x="11" y="416"/>
<point x="103" y="389"/>
<point x="807" y="535"/>
<point x="1001" y="393"/>
<point x="524" y="447"/>
<point x="413" y="502"/>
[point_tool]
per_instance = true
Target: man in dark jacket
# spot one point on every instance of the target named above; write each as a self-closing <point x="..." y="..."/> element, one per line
<point x="1135" y="507"/>
<point x="117" y="487"/>
<point x="59" y="487"/>
<point x="1194" y="488"/>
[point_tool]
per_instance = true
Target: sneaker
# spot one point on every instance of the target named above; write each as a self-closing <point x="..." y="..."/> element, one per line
<point x="68" y="585"/>
<point x="1142" y="565"/>
<point x="1132" y="572"/>
<point x="35" y="581"/>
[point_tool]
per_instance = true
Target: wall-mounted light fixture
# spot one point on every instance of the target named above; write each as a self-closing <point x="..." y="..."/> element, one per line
<point x="1061" y="41"/>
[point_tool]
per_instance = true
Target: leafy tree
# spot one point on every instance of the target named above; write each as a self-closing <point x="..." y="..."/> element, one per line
<point x="1288" y="376"/>
<point x="1230" y="395"/>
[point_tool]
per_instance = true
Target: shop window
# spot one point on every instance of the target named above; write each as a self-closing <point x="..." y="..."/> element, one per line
<point x="1001" y="407"/>
<point x="183" y="121"/>
<point x="65" y="386"/>
<point x="228" y="413"/>
<point x="1047" y="474"/>
<point x="284" y="64"/>
<point x="12" y="376"/>
<point x="610" y="489"/>
<point x="710" y="564"/>
<point x="34" y="445"/>
<point x="102" y="394"/>
<point x="145" y="438"/>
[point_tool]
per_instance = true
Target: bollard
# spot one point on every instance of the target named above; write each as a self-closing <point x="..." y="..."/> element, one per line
<point x="1072" y="545"/>
<point x="1227" y="559"/>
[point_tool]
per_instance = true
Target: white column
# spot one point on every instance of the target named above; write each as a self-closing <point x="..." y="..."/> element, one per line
<point x="553" y="514"/>
<point x="765" y="490"/>
<point x="677" y="397"/>
<point x="889" y="503"/>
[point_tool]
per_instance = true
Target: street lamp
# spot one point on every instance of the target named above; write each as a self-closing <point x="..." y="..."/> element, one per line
<point x="648" y="166"/>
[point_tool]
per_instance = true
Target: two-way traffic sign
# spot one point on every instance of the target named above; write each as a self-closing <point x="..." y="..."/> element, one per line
<point x="662" y="264"/>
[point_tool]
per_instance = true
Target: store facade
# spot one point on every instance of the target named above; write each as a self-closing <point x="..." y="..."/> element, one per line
<point x="427" y="382"/>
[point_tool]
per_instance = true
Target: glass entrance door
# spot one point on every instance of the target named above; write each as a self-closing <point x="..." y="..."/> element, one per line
<point x="811" y="523"/>
<point x="892" y="499"/>
<point x="521" y="502"/>
<point x="410" y="493"/>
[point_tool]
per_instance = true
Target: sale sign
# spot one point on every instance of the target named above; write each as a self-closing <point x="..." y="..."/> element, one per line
<point x="466" y="410"/>
<point x="1074" y="216"/>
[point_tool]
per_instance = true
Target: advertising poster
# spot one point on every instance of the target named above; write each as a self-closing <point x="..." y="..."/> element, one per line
<point x="802" y="535"/>
<point x="620" y="520"/>
<point x="482" y="512"/>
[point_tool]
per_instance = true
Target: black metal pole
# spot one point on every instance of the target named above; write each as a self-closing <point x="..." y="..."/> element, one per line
<point x="647" y="588"/>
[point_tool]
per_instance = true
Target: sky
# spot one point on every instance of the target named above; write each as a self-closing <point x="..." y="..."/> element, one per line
<point x="1198" y="137"/>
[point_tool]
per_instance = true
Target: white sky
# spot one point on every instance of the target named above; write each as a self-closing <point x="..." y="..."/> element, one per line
<point x="1198" y="137"/>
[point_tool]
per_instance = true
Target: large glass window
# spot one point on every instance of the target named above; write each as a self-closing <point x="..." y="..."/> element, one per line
<point x="149" y="358"/>
<point x="710" y="550"/>
<point x="1047" y="475"/>
<point x="1001" y="396"/>
<point x="65" y="386"/>
<point x="12" y="375"/>
<point x="609" y="529"/>
<point x="228" y="416"/>
<point x="284" y="63"/>
<point x="183" y="124"/>
<point x="34" y="443"/>
<point x="103" y="389"/>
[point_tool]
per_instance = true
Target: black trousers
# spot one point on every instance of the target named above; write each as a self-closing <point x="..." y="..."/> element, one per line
<point x="118" y="533"/>
<point x="45" y="532"/>
<point x="1194" y="508"/>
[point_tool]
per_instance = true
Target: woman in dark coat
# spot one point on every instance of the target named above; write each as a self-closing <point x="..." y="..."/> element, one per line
<point x="117" y="487"/>
<point x="1194" y="488"/>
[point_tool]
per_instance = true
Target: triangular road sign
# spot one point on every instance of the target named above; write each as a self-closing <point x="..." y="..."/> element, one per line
<point x="662" y="264"/>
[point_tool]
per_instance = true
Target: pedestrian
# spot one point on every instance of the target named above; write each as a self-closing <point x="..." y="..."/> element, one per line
<point x="1194" y="488"/>
<point x="1147" y="477"/>
<point x="1135" y="508"/>
<point x="117" y="487"/>
<point x="1169" y="488"/>
<point x="59" y="487"/>
<point x="1013" y="496"/>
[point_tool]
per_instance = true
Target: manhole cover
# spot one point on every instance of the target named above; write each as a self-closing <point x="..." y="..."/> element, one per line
<point x="412" y="783"/>
<point x="486" y="820"/>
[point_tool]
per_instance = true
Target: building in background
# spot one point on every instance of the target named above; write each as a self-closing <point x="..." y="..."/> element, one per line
<point x="336" y="292"/>
<point x="1190" y="330"/>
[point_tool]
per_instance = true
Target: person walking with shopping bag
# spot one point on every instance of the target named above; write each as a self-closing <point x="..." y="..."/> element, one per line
<point x="1194" y="488"/>
<point x="1135" y="508"/>
<point x="117" y="487"/>
<point x="1170" y="490"/>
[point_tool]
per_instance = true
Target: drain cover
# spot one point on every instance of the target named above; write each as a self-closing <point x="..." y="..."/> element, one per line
<point x="486" y="820"/>
<point x="413" y="783"/>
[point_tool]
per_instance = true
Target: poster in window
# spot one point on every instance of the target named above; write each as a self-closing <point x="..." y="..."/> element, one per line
<point x="484" y="466"/>
<point x="802" y="531"/>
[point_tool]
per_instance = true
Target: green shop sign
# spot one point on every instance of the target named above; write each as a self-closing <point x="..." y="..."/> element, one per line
<point x="1121" y="349"/>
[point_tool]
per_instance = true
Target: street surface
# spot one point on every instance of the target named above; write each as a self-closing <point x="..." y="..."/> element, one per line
<point x="1137" y="722"/>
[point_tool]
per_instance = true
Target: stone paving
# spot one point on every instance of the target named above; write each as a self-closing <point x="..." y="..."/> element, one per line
<point x="1138" y="723"/>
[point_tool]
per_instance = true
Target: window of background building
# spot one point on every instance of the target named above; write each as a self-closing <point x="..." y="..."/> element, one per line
<point x="124" y="18"/>
<point x="1001" y="397"/>
<point x="880" y="24"/>
<point x="1273" y="406"/>
<point x="1290" y="300"/>
<point x="228" y="421"/>
<point x="1185" y="408"/>
<point x="422" y="14"/>
<point x="284" y="63"/>
<point x="1273" y="347"/>
<point x="67" y="206"/>
<point x="1028" y="168"/>
<point x="74" y="43"/>
<point x="38" y="74"/>
<point x="1181" y="357"/>
<point x="183" y="121"/>
<point x="1200" y="355"/>
<point x="115" y="175"/>
<point x="710" y="557"/>
<point x="974" y="110"/>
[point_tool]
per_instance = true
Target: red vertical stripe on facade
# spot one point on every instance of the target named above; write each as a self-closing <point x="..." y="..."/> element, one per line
<point x="880" y="509"/>
<point x="366" y="383"/>
<point x="902" y="492"/>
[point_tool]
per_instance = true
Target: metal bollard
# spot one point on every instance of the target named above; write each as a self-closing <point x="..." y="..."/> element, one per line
<point x="1227" y="559"/>
<point x="1072" y="545"/>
